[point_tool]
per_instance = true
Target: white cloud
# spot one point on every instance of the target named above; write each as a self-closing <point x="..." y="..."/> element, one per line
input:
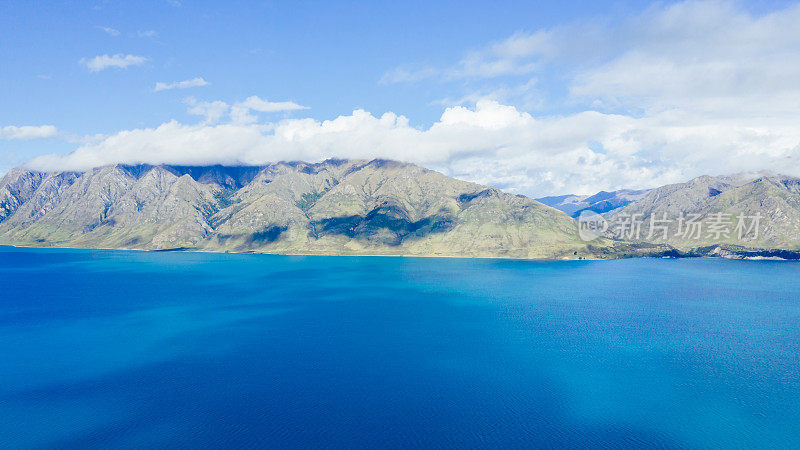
<point x="707" y="58"/>
<point x="146" y="33"/>
<point x="712" y="57"/>
<point x="492" y="143"/>
<point x="240" y="111"/>
<point x="110" y="31"/>
<point x="263" y="105"/>
<point x="194" y="82"/>
<point x="27" y="132"/>
<point x="120" y="61"/>
<point x="519" y="54"/>
<point x="211" y="111"/>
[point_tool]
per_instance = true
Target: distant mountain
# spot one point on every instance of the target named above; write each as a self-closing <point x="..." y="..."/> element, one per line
<point x="737" y="215"/>
<point x="738" y="211"/>
<point x="602" y="202"/>
<point x="334" y="207"/>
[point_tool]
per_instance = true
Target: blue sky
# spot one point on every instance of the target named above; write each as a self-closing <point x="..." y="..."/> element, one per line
<point x="534" y="97"/>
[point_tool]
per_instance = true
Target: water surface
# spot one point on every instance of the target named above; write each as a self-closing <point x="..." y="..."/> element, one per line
<point x="114" y="348"/>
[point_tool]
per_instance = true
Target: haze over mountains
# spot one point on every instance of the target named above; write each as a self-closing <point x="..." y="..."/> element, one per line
<point x="375" y="207"/>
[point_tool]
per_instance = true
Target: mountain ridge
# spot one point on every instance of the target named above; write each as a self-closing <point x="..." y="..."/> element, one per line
<point x="380" y="207"/>
<point x="331" y="207"/>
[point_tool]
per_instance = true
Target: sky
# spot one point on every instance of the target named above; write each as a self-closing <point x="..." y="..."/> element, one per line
<point x="537" y="98"/>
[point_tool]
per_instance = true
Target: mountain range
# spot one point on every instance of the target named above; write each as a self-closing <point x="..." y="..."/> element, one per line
<point x="378" y="207"/>
<point x="335" y="207"/>
<point x="602" y="202"/>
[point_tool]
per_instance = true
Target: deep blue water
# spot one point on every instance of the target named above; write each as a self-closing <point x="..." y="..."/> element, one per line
<point x="131" y="349"/>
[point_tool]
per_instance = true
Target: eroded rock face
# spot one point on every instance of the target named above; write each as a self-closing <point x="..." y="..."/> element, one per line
<point x="16" y="188"/>
<point x="337" y="206"/>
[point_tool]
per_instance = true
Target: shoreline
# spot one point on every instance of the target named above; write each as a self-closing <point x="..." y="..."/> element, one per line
<point x="228" y="252"/>
<point x="754" y="255"/>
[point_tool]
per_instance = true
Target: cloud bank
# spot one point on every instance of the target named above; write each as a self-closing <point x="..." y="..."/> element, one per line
<point x="492" y="143"/>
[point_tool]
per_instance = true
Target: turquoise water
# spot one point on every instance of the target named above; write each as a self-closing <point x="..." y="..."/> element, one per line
<point x="131" y="349"/>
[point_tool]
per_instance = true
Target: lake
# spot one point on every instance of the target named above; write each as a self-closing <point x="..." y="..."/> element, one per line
<point x="108" y="348"/>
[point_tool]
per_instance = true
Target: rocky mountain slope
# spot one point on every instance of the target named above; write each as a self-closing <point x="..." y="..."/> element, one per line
<point x="738" y="215"/>
<point x="754" y="212"/>
<point x="334" y="207"/>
